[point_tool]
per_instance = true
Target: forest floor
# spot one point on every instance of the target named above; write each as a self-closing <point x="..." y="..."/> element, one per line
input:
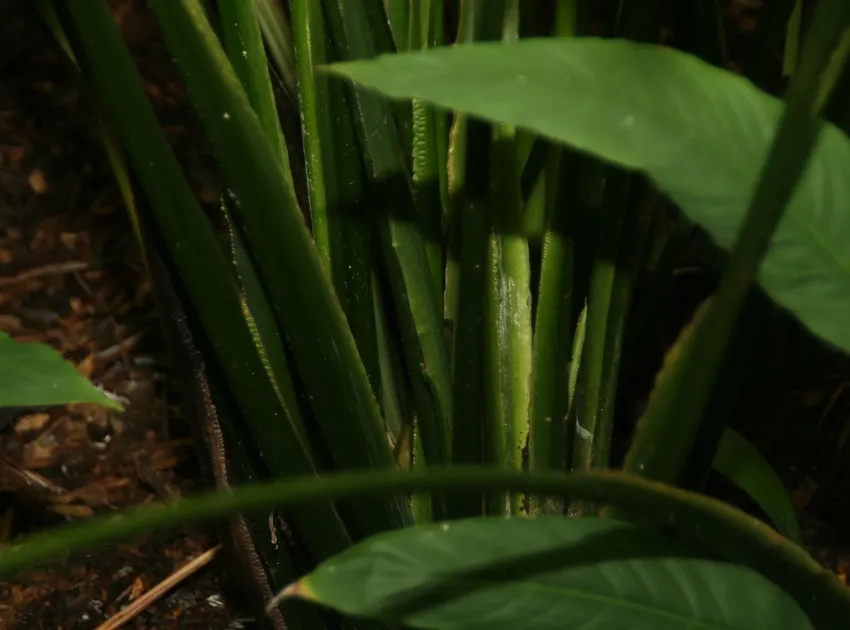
<point x="70" y="276"/>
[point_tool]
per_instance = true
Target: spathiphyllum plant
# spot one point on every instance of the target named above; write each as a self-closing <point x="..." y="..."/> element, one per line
<point x="404" y="334"/>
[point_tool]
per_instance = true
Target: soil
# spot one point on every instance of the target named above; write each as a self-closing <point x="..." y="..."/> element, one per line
<point x="70" y="276"/>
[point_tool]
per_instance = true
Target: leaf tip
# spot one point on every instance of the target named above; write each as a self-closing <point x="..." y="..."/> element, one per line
<point x="110" y="400"/>
<point x="333" y="68"/>
<point x="297" y="589"/>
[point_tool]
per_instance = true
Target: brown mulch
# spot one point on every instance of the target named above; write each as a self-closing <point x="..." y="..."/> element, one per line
<point x="70" y="277"/>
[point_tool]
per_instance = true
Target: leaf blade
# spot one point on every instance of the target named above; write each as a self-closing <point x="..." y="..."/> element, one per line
<point x="740" y="462"/>
<point x="35" y="375"/>
<point x="709" y="176"/>
<point x="722" y="528"/>
<point x="542" y="574"/>
<point x="308" y="310"/>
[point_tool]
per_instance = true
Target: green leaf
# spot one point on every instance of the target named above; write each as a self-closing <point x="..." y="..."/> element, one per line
<point x="353" y="27"/>
<point x="278" y="38"/>
<point x="335" y="183"/>
<point x="546" y="573"/>
<point x="676" y="410"/>
<point x="703" y="143"/>
<point x="244" y="45"/>
<point x="722" y="528"/>
<point x="740" y="462"/>
<point x="267" y="214"/>
<point x="34" y="375"/>
<point x="194" y="249"/>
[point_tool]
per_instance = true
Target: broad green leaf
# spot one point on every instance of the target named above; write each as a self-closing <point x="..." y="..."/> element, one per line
<point x="725" y="530"/>
<point x="547" y="573"/>
<point x="740" y="462"/>
<point x="699" y="132"/>
<point x="676" y="412"/>
<point x="35" y="375"/>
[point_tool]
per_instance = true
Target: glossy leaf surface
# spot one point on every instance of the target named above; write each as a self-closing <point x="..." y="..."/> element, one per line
<point x="723" y="529"/>
<point x="699" y="132"/>
<point x="546" y="573"/>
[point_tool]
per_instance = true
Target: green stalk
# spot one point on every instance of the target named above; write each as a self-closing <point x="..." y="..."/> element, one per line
<point x="466" y="264"/>
<point x="607" y="307"/>
<point x="666" y="432"/>
<point x="534" y="203"/>
<point x="382" y="31"/>
<point x="421" y="325"/>
<point x="398" y="410"/>
<point x="399" y="16"/>
<point x="508" y="309"/>
<point x="610" y="284"/>
<point x="553" y="320"/>
<point x="436" y="36"/>
<point x="323" y="346"/>
<point x="309" y="45"/>
<point x="426" y="163"/>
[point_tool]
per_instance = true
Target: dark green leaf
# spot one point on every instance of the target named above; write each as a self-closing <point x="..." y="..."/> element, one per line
<point x="547" y="573"/>
<point x="726" y="531"/>
<point x="288" y="265"/>
<point x="740" y="462"/>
